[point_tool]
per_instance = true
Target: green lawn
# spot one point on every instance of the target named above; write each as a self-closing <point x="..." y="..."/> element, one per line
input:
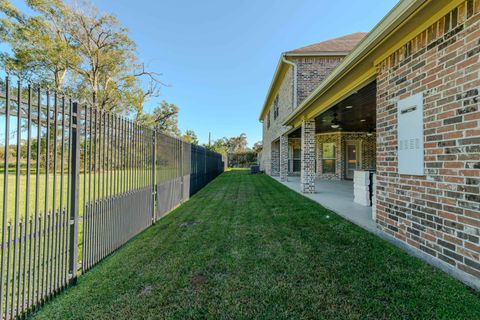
<point x="41" y="188"/>
<point x="247" y="247"/>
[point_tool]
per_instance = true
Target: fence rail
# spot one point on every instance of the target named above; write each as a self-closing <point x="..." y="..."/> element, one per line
<point x="77" y="184"/>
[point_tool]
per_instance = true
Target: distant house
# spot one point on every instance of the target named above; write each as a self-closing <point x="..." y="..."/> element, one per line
<point x="401" y="102"/>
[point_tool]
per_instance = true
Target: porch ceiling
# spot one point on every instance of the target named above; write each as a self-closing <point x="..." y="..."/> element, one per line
<point x="296" y="134"/>
<point x="359" y="117"/>
<point x="356" y="113"/>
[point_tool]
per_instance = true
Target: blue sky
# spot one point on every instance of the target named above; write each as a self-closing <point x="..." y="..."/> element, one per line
<point x="218" y="57"/>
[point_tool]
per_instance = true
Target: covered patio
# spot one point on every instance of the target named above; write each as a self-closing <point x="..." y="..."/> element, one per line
<point x="337" y="151"/>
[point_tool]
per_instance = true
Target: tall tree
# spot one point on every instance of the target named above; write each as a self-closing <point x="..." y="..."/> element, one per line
<point x="108" y="58"/>
<point x="190" y="136"/>
<point x="237" y="144"/>
<point x="41" y="46"/>
<point x="164" y="117"/>
<point x="77" y="43"/>
<point x="257" y="147"/>
<point x="219" y="146"/>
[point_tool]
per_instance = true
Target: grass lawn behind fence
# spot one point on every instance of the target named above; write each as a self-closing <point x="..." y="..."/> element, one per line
<point x="100" y="181"/>
<point x="248" y="247"/>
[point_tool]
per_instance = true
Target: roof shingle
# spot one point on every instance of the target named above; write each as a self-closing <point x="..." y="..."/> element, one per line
<point x="341" y="44"/>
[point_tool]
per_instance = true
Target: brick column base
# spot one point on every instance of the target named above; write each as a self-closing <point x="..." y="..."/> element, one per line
<point x="307" y="173"/>
<point x="283" y="157"/>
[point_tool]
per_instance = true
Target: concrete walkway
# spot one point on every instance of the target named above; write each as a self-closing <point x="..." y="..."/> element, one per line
<point x="337" y="195"/>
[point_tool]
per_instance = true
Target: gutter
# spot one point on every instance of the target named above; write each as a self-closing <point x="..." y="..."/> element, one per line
<point x="284" y="59"/>
<point x="388" y="24"/>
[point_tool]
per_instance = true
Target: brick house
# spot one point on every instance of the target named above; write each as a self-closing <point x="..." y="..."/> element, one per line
<point x="298" y="73"/>
<point x="403" y="102"/>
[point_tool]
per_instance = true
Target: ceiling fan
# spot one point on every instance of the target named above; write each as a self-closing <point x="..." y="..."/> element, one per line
<point x="335" y="123"/>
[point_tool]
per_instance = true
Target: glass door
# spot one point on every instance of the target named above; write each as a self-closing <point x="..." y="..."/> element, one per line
<point x="352" y="158"/>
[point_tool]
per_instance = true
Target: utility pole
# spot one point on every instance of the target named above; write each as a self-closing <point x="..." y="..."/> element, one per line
<point x="209" y="137"/>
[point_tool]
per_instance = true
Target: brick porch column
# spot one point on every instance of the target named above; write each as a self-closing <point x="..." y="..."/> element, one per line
<point x="275" y="159"/>
<point x="307" y="173"/>
<point x="283" y="157"/>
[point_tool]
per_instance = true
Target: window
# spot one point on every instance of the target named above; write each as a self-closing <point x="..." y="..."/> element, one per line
<point x="294" y="158"/>
<point x="328" y="157"/>
<point x="268" y="120"/>
<point x="275" y="108"/>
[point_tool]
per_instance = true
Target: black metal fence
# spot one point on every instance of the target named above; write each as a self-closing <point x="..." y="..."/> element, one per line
<point x="77" y="184"/>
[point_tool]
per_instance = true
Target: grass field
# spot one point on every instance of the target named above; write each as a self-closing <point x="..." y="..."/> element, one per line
<point x="41" y="191"/>
<point x="247" y="247"/>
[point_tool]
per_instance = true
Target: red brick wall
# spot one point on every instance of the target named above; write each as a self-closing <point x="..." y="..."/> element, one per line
<point x="311" y="71"/>
<point x="438" y="213"/>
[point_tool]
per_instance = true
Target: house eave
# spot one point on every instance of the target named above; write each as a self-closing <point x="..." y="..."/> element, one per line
<point x="270" y="88"/>
<point x="395" y="18"/>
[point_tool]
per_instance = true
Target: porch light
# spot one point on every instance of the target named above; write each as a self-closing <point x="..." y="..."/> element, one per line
<point x="348" y="107"/>
<point x="363" y="120"/>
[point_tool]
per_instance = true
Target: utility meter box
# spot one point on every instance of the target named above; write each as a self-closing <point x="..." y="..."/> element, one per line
<point x="410" y="135"/>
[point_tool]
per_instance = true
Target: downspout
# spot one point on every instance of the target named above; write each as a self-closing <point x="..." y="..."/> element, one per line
<point x="284" y="59"/>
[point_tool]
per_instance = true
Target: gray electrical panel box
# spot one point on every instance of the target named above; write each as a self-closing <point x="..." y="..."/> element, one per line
<point x="410" y="135"/>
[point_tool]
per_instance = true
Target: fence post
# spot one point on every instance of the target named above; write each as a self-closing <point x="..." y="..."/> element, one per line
<point x="154" y="164"/>
<point x="74" y="192"/>
<point x="181" y="171"/>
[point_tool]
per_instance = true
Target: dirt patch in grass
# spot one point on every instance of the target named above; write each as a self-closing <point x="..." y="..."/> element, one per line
<point x="199" y="280"/>
<point x="187" y="224"/>
<point x="145" y="291"/>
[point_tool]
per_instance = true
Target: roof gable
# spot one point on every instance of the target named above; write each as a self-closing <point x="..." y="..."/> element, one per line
<point x="341" y="44"/>
<point x="336" y="46"/>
